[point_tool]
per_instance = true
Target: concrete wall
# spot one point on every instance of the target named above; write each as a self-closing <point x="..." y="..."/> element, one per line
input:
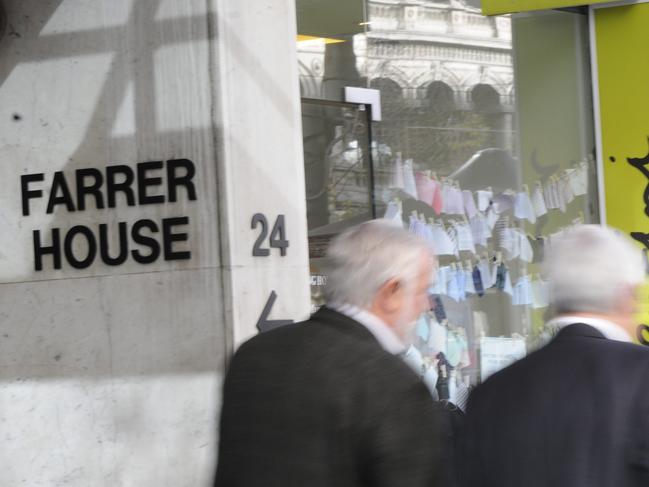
<point x="110" y="374"/>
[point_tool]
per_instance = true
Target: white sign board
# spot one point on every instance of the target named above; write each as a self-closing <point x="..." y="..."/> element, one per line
<point x="498" y="352"/>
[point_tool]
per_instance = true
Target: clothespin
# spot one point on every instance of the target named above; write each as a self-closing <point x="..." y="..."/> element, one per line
<point x="468" y="264"/>
<point x="434" y="175"/>
<point x="526" y="188"/>
<point x="499" y="257"/>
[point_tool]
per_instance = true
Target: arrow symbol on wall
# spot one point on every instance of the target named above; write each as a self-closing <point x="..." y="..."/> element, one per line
<point x="263" y="323"/>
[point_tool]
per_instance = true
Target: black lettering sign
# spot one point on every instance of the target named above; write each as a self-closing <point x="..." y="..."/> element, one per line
<point x="144" y="242"/>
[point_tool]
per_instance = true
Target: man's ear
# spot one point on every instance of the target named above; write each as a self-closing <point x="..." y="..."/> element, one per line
<point x="388" y="296"/>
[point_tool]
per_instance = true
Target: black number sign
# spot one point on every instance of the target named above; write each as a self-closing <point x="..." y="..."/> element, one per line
<point x="277" y="238"/>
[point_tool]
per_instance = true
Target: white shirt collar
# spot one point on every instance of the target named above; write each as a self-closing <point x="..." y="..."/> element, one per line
<point x="607" y="328"/>
<point x="386" y="337"/>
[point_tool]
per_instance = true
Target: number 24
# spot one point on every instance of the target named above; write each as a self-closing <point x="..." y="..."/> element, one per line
<point x="277" y="235"/>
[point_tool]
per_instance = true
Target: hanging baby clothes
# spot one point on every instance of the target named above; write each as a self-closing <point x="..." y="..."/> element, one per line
<point x="477" y="281"/>
<point x="469" y="203"/>
<point x="523" y="209"/>
<point x="508" y="288"/>
<point x="446" y="197"/>
<point x="396" y="181"/>
<point x="504" y="201"/>
<point x="469" y="284"/>
<point x="522" y="292"/>
<point x="550" y="198"/>
<point x="393" y="213"/>
<point x="413" y="224"/>
<point x="453" y="348"/>
<point x="409" y="185"/>
<point x="429" y="237"/>
<point x="560" y="197"/>
<point x="480" y="229"/>
<point x="452" y="235"/>
<point x="503" y="280"/>
<point x="491" y="217"/>
<point x="452" y="285"/>
<point x="443" y="243"/>
<point x="437" y="338"/>
<point x="464" y="237"/>
<point x="566" y="189"/>
<point x="425" y="188"/>
<point x="453" y="201"/>
<point x="438" y="202"/>
<point x="440" y="283"/>
<point x="488" y="279"/>
<point x="579" y="179"/>
<point x="538" y="201"/>
<point x="438" y="309"/>
<point x="484" y="199"/>
<point x="516" y="244"/>
<point x="460" y="276"/>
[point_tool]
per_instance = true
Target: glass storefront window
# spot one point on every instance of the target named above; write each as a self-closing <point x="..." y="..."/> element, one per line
<point x="485" y="148"/>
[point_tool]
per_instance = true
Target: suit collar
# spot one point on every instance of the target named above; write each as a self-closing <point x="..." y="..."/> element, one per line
<point x="329" y="317"/>
<point x="579" y="330"/>
<point x="608" y="328"/>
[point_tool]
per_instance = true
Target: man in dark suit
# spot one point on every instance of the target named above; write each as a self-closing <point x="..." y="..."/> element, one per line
<point x="574" y="413"/>
<point x="327" y="402"/>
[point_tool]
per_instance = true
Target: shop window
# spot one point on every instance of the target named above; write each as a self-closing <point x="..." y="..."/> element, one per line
<point x="488" y="173"/>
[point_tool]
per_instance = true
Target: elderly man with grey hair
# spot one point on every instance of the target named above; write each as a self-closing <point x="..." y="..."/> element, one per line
<point x="574" y="413"/>
<point x="327" y="402"/>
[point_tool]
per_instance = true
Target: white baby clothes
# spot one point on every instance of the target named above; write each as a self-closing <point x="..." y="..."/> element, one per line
<point x="409" y="185"/>
<point x="469" y="203"/>
<point x="437" y="337"/>
<point x="397" y="173"/>
<point x="464" y="237"/>
<point x="522" y="292"/>
<point x="579" y="180"/>
<point x="488" y="277"/>
<point x="453" y="200"/>
<point x="443" y="243"/>
<point x="504" y="201"/>
<point x="441" y="280"/>
<point x="492" y="218"/>
<point x="538" y="201"/>
<point x="469" y="284"/>
<point x="484" y="199"/>
<point x="393" y="213"/>
<point x="523" y="209"/>
<point x="425" y="188"/>
<point x="516" y="244"/>
<point x="480" y="229"/>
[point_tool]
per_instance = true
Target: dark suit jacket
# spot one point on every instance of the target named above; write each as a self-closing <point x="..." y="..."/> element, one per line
<point x="572" y="414"/>
<point x="320" y="403"/>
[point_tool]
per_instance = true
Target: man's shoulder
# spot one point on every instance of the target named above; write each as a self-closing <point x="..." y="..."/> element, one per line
<point x="548" y="362"/>
<point x="331" y="340"/>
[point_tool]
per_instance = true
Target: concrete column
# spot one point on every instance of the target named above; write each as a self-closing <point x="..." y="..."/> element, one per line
<point x="137" y="140"/>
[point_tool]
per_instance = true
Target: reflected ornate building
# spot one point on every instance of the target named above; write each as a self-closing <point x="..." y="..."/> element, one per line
<point x="444" y="71"/>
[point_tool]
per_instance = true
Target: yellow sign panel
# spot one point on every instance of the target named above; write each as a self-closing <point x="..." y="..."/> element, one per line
<point x="622" y="50"/>
<point x="496" y="7"/>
